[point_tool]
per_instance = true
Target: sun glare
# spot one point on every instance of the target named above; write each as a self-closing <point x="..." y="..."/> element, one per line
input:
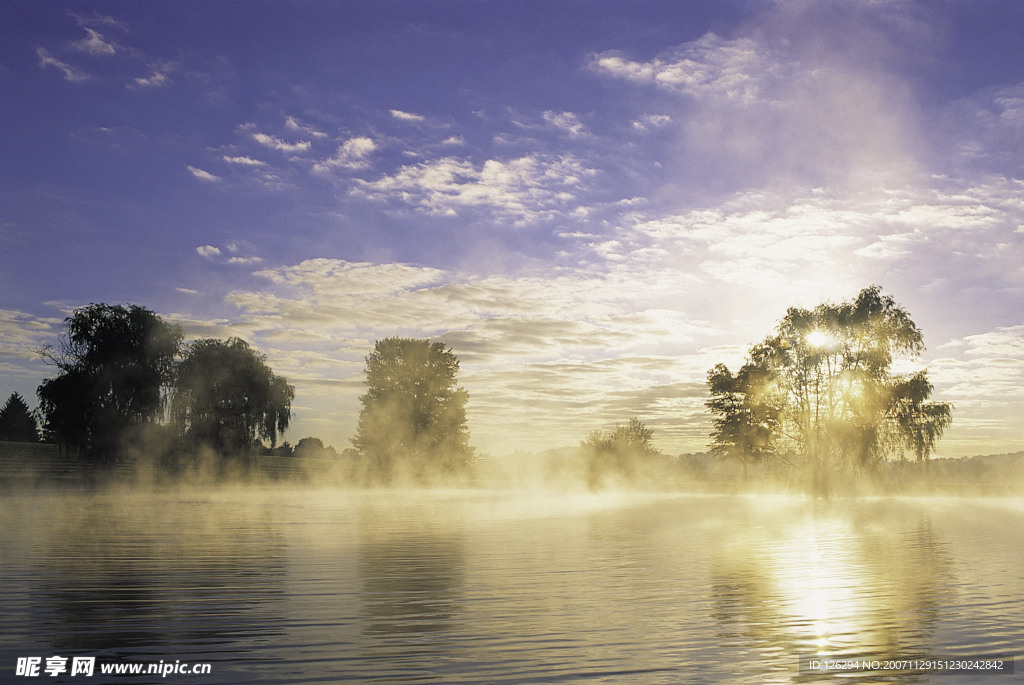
<point x="818" y="338"/>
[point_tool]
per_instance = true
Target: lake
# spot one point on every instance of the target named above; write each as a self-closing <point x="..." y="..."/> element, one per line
<point x="292" y="586"/>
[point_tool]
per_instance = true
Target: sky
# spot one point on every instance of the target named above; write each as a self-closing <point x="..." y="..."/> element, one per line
<point x="591" y="202"/>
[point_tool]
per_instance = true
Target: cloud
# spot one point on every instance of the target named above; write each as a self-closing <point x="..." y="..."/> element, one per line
<point x="244" y="161"/>
<point x="203" y="175"/>
<point x="527" y="188"/>
<point x="985" y="382"/>
<point x="407" y="116"/>
<point x="70" y="73"/>
<point x="566" y="121"/>
<point x="279" y="144"/>
<point x="709" y="66"/>
<point x="352" y="154"/>
<point x="158" y="76"/>
<point x="586" y="348"/>
<point x="984" y="131"/>
<point x="647" y="122"/>
<point x="208" y="251"/>
<point x="94" y="44"/>
<point x="772" y="109"/>
<point x="97" y="19"/>
<point x="22" y="334"/>
<point x="293" y="124"/>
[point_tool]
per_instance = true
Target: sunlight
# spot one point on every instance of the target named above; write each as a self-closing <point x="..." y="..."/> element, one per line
<point x="818" y="339"/>
<point x="817" y="580"/>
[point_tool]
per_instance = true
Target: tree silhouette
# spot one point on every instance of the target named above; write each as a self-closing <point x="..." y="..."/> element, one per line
<point x="227" y="398"/>
<point x="413" y="418"/>
<point x="17" y="424"/>
<point x="746" y="414"/>
<point x="820" y="393"/>
<point x="617" y="454"/>
<point x="114" y="366"/>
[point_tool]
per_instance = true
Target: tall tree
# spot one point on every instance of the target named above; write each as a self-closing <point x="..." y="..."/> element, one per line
<point x="17" y="424"/>
<point x="819" y="392"/>
<point x="226" y="397"/>
<point x="413" y="418"/>
<point x="114" y="366"/>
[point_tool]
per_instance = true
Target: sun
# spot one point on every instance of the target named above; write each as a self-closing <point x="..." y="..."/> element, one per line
<point x="818" y="339"/>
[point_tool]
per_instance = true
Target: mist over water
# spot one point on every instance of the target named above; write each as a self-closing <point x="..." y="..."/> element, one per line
<point x="284" y="585"/>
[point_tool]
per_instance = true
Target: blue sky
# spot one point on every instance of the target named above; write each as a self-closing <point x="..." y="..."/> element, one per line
<point x="591" y="202"/>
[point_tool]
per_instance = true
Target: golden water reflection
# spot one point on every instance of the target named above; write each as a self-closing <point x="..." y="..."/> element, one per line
<point x="819" y="579"/>
<point x="334" y="586"/>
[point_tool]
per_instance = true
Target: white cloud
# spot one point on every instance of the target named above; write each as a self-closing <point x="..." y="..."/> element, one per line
<point x="22" y="334"/>
<point x="771" y="110"/>
<point x="101" y="20"/>
<point x="651" y="121"/>
<point x="985" y="382"/>
<point x="159" y="76"/>
<point x="203" y="175"/>
<point x="709" y="66"/>
<point x="567" y="121"/>
<point x="407" y="116"/>
<point x="536" y="350"/>
<point x="527" y="188"/>
<point x="352" y="154"/>
<point x="244" y="161"/>
<point x="94" y="44"/>
<point x="208" y="251"/>
<point x="70" y="73"/>
<point x="293" y="124"/>
<point x="276" y="143"/>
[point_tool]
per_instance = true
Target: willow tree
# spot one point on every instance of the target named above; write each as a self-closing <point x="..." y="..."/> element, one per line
<point x="413" y="418"/>
<point x="114" y="367"/>
<point x="820" y="393"/>
<point x="226" y="397"/>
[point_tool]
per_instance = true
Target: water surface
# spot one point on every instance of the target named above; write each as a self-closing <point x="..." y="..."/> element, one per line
<point x="289" y="586"/>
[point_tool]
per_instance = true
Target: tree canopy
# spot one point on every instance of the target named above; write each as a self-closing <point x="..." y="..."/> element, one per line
<point x="413" y="417"/>
<point x="819" y="392"/>
<point x="617" y="454"/>
<point x="114" y="366"/>
<point x="17" y="424"/>
<point x="226" y="397"/>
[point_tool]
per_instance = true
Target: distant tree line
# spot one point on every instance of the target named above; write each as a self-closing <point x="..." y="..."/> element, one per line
<point x="127" y="383"/>
<point x="817" y="396"/>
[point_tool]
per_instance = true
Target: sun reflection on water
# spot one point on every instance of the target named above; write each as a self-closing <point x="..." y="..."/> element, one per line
<point x="819" y="583"/>
<point x="805" y="578"/>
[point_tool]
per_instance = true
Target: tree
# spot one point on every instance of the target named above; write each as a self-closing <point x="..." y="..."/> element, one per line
<point x="618" y="453"/>
<point x="309" y="446"/>
<point x="820" y="392"/>
<point x="413" y="417"/>
<point x="746" y="414"/>
<point x="17" y="424"/>
<point x="115" y="365"/>
<point x="227" y="398"/>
